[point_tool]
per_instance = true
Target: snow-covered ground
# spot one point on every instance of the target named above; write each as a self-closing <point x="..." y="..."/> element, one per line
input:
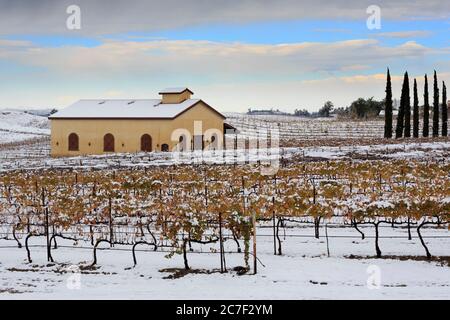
<point x="304" y="271"/>
<point x="17" y="126"/>
<point x="37" y="156"/>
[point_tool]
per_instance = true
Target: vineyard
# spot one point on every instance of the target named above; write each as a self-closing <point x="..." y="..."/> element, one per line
<point x="172" y="208"/>
<point x="210" y="220"/>
<point x="306" y="129"/>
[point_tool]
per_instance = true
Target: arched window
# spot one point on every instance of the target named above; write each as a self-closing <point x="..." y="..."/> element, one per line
<point x="108" y="143"/>
<point x="73" y="142"/>
<point x="164" y="147"/>
<point x="146" y="143"/>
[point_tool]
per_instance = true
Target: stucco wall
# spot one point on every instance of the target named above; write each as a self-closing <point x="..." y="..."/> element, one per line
<point x="175" y="97"/>
<point x="128" y="133"/>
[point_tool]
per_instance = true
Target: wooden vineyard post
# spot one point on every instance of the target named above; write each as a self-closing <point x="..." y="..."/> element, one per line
<point x="222" y="251"/>
<point x="46" y="225"/>
<point x="273" y="218"/>
<point x="326" y="235"/>
<point x="111" y="231"/>
<point x="274" y="229"/>
<point x="253" y="226"/>
<point x="254" y="242"/>
<point x="47" y="235"/>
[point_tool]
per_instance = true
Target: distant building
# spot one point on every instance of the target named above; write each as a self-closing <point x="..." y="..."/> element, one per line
<point x="131" y="125"/>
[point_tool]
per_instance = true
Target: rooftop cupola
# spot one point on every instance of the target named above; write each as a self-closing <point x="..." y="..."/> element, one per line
<point x="175" y="95"/>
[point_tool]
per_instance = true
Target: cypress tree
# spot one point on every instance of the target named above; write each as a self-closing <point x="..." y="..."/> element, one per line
<point x="388" y="108"/>
<point x="401" y="110"/>
<point x="407" y="109"/>
<point x="426" y="110"/>
<point x="435" y="106"/>
<point x="444" y="110"/>
<point x="416" y="112"/>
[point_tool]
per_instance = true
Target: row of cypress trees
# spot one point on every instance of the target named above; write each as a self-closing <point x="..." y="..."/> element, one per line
<point x="403" y="127"/>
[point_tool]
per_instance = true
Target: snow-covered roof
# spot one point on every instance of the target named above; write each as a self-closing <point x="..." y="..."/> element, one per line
<point x="175" y="90"/>
<point x="124" y="108"/>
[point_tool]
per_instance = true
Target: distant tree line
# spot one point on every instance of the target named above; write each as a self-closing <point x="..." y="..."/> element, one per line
<point x="362" y="108"/>
<point x="403" y="126"/>
<point x="267" y="112"/>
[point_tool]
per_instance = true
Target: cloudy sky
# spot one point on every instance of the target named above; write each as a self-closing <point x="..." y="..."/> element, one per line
<point x="236" y="55"/>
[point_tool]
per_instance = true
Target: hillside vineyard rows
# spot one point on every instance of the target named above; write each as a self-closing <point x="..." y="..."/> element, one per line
<point x="306" y="129"/>
<point x="171" y="207"/>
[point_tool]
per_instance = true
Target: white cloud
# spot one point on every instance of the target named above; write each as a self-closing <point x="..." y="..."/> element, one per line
<point x="214" y="59"/>
<point x="404" y="34"/>
<point x="232" y="76"/>
<point x="14" y="43"/>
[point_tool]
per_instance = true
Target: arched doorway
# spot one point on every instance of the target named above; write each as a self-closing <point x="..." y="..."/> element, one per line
<point x="165" y="147"/>
<point x="146" y="143"/>
<point x="214" y="142"/>
<point x="108" y="143"/>
<point x="182" y="143"/>
<point x="73" y="142"/>
<point x="199" y="143"/>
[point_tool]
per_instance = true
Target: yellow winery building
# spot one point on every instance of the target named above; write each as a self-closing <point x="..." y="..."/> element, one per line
<point x="174" y="122"/>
